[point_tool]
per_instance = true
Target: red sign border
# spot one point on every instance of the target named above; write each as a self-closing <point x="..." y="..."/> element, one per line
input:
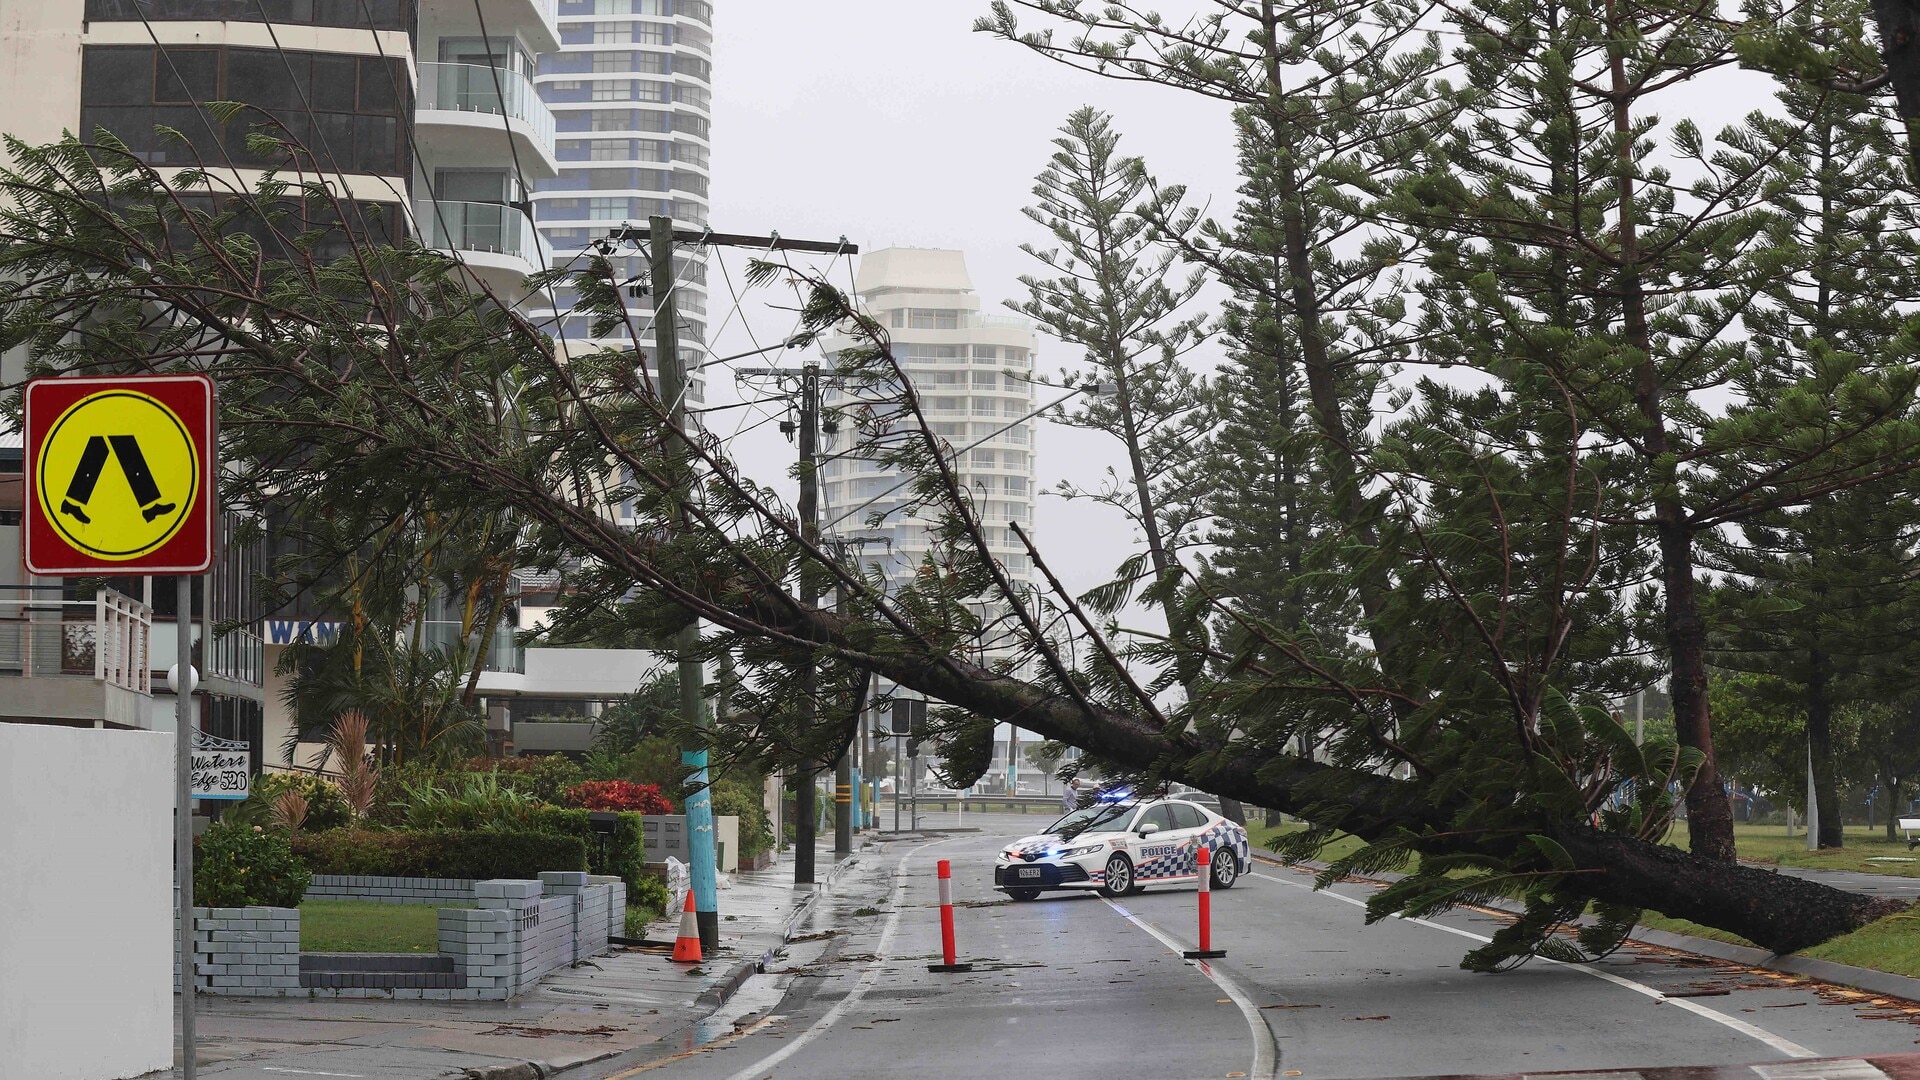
<point x="70" y="562"/>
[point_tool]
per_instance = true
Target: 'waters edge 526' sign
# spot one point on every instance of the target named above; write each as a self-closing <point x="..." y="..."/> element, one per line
<point x="218" y="769"/>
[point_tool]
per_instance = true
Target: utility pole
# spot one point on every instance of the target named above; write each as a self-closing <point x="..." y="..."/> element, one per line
<point x="844" y="775"/>
<point x="661" y="238"/>
<point x="804" y="799"/>
<point x="673" y="390"/>
<point x="806" y="824"/>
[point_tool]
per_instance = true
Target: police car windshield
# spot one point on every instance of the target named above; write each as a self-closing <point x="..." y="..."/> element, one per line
<point x="1105" y="817"/>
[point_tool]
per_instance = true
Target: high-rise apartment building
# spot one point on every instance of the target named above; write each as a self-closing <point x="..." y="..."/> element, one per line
<point x="421" y="112"/>
<point x="631" y="94"/>
<point x="974" y="374"/>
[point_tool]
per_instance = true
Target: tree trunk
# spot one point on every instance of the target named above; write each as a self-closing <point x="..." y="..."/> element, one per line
<point x="1899" y="25"/>
<point x="1775" y="911"/>
<point x="1779" y="912"/>
<point x="1709" y="815"/>
<point x="1826" y="795"/>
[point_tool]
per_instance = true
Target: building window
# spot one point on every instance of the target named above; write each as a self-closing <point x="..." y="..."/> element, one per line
<point x="691" y="153"/>
<point x="697" y="96"/>
<point x="374" y="14"/>
<point x="934" y="319"/>
<point x="609" y="209"/>
<point x="611" y="150"/>
<point x="693" y="66"/>
<point x="612" y="33"/>
<point x="351" y="121"/>
<point x="609" y="91"/>
<point x="612" y="63"/>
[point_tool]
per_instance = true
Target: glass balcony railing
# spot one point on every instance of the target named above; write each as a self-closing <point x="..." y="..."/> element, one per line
<point x="482" y="89"/>
<point x="503" y="653"/>
<point x="472" y="226"/>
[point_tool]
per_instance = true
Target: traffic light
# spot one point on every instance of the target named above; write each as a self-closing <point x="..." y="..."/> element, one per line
<point x="908" y="716"/>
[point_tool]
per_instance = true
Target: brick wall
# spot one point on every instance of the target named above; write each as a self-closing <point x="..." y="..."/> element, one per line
<point x="521" y="932"/>
<point x="247" y="952"/>
<point x="390" y="890"/>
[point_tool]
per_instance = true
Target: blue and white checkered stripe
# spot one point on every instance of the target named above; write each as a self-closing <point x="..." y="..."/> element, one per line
<point x="1224" y="835"/>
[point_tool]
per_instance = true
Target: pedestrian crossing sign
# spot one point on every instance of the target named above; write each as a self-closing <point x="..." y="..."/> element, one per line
<point x="119" y="475"/>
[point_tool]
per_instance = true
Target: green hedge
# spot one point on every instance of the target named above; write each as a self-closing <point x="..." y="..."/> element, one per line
<point x="439" y="853"/>
<point x="624" y="857"/>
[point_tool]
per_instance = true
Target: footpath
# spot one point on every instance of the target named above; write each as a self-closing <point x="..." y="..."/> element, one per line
<point x="602" y="1015"/>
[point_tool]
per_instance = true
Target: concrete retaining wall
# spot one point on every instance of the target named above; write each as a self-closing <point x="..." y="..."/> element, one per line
<point x="390" y="890"/>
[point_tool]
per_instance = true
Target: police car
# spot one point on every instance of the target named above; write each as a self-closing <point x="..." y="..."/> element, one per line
<point x="1122" y="846"/>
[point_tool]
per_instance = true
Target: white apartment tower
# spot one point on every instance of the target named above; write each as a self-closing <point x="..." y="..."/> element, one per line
<point x="973" y="372"/>
<point x="630" y="90"/>
<point x="421" y="112"/>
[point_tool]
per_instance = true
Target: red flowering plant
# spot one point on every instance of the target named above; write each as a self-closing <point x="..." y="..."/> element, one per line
<point x="619" y="795"/>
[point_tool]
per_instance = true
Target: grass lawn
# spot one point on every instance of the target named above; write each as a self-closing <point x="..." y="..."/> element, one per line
<point x="1771" y="844"/>
<point x="1892" y="944"/>
<point x="364" y="926"/>
<point x="1259" y="833"/>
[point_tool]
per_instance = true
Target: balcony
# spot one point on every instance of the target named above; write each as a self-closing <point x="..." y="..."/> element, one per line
<point x="536" y="21"/>
<point x="496" y="242"/>
<point x="77" y="661"/>
<point x="464" y="111"/>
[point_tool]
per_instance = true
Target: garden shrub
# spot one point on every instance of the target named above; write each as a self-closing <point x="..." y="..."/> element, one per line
<point x="475" y="802"/>
<point x="742" y="801"/>
<point x="326" y="807"/>
<point x="248" y="866"/>
<point x="625" y="856"/>
<point x="544" y="776"/>
<point x="391" y="785"/>
<point x="656" y="760"/>
<point x="646" y="902"/>
<point x="440" y="853"/>
<point x="619" y="795"/>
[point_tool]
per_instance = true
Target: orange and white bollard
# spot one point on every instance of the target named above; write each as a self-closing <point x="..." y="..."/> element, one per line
<point x="1206" y="951"/>
<point x="945" y="870"/>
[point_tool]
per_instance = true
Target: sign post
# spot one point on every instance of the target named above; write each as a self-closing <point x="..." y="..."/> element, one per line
<point x="119" y="480"/>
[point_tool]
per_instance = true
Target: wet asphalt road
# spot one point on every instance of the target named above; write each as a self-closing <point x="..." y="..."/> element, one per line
<point x="1075" y="986"/>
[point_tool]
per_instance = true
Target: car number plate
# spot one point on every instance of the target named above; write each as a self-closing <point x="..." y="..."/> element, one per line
<point x="1029" y="871"/>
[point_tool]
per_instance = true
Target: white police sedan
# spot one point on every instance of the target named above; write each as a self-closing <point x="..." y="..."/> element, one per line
<point x="1121" y="847"/>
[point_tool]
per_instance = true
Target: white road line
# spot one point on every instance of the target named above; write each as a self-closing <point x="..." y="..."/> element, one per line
<point x="867" y="977"/>
<point x="1784" y="1046"/>
<point x="307" y="1072"/>
<point x="1265" y="1060"/>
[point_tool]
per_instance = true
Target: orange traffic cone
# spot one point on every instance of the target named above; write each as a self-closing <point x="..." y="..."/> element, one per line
<point x="686" y="945"/>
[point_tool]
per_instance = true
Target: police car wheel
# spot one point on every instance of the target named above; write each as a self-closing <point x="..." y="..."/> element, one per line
<point x="1226" y="869"/>
<point x="1119" y="877"/>
<point x="1024" y="894"/>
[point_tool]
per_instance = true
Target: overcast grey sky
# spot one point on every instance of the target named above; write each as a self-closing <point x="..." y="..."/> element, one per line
<point x="890" y="122"/>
